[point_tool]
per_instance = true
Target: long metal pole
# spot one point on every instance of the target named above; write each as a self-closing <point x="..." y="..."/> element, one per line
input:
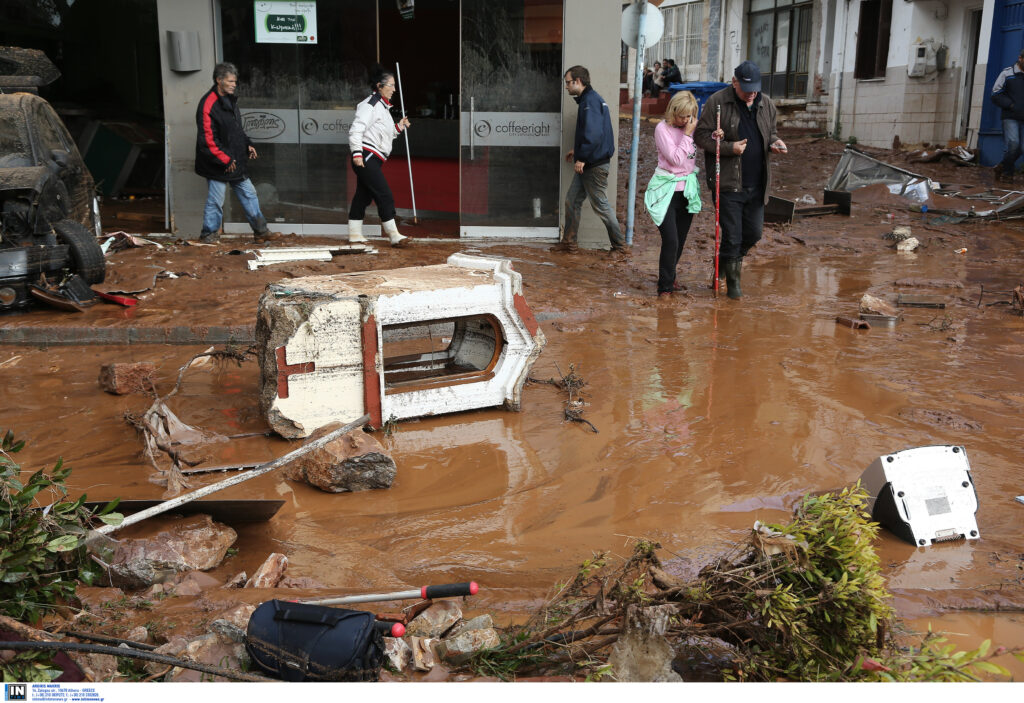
<point x="718" y="181"/>
<point x="638" y="94"/>
<point x="408" y="154"/>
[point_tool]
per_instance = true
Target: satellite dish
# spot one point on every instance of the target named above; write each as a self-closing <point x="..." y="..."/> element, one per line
<point x="654" y="26"/>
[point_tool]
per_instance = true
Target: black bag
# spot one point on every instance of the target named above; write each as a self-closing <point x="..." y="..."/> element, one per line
<point x="300" y="642"/>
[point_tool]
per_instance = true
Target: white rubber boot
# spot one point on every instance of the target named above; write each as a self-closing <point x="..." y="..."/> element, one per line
<point x="355" y="232"/>
<point x="391" y="229"/>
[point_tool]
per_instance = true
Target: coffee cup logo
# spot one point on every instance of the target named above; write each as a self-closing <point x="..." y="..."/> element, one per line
<point x="482" y="129"/>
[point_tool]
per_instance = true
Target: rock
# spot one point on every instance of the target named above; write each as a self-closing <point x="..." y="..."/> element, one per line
<point x="908" y="244"/>
<point x="642" y="653"/>
<point x="138" y="634"/>
<point x="237" y="581"/>
<point x="353" y="462"/>
<point x="97" y="667"/>
<point x="238" y="615"/>
<point x="227" y="631"/>
<point x="187" y="587"/>
<point x="898" y="234"/>
<point x="128" y="377"/>
<point x="191" y="543"/>
<point x="435" y="620"/>
<point x="300" y="582"/>
<point x="480" y="622"/>
<point x="174" y="648"/>
<point x="423" y="655"/>
<point x="270" y="572"/>
<point x="397" y="654"/>
<point x="212" y="650"/>
<point x="876" y="306"/>
<point x="462" y="647"/>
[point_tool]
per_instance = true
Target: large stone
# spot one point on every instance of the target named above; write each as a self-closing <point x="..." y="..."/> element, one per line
<point x="128" y="377"/>
<point x="480" y="622"/>
<point x="876" y="306"/>
<point x="462" y="647"/>
<point x="642" y="653"/>
<point x="270" y="572"/>
<point x="397" y="654"/>
<point x="233" y="622"/>
<point x="173" y="648"/>
<point x="435" y="620"/>
<point x="353" y="462"/>
<point x="191" y="543"/>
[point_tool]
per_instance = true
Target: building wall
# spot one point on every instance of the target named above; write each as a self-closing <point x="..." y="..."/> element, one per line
<point x="181" y="93"/>
<point x="592" y="38"/>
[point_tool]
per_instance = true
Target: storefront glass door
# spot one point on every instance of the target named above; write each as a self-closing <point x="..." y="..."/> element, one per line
<point x="510" y="133"/>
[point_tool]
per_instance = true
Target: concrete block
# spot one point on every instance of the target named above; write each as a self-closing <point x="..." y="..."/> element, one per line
<point x="128" y="377"/>
<point x="394" y="344"/>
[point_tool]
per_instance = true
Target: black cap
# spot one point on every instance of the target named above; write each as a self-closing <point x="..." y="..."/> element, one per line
<point x="749" y="76"/>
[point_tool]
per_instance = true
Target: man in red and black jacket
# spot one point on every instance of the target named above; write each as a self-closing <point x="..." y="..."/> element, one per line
<point x="222" y="153"/>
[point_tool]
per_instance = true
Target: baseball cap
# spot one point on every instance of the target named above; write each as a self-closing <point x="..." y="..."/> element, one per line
<point x="749" y="76"/>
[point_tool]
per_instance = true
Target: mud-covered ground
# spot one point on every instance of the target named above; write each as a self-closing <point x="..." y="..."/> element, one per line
<point x="711" y="413"/>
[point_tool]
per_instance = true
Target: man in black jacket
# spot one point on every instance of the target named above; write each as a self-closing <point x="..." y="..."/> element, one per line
<point x="1008" y="94"/>
<point x="222" y="152"/>
<point x="593" y="149"/>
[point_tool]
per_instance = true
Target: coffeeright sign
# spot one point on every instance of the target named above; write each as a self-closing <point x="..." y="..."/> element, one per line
<point x="285" y="22"/>
<point x="286" y="126"/>
<point x="511" y="129"/>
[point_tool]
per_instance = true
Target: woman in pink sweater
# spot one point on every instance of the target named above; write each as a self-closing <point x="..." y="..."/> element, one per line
<point x="673" y="194"/>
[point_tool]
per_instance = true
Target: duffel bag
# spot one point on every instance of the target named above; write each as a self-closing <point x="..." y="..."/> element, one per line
<point x="301" y="642"/>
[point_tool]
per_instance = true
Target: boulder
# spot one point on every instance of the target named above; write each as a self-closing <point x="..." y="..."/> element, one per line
<point x="642" y="653"/>
<point x="353" y="462"/>
<point x="128" y="377"/>
<point x="270" y="572"/>
<point x="397" y="654"/>
<point x="462" y="647"/>
<point x="236" y="581"/>
<point x="191" y="543"/>
<point x="435" y="620"/>
<point x="871" y="305"/>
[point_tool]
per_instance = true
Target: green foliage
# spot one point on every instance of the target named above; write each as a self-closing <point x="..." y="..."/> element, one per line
<point x="829" y="600"/>
<point x="42" y="537"/>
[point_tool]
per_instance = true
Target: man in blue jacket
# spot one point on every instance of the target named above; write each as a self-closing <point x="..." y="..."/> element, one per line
<point x="1008" y="93"/>
<point x="592" y="153"/>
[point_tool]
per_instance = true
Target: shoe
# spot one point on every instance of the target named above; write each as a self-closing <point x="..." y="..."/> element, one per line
<point x="355" y="232"/>
<point x="391" y="230"/>
<point x="565" y="248"/>
<point x="732" y="277"/>
<point x="209" y="237"/>
<point x="266" y="236"/>
<point x="619" y="253"/>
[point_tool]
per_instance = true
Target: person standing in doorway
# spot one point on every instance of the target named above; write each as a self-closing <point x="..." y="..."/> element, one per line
<point x="748" y="136"/>
<point x="369" y="139"/>
<point x="1008" y="94"/>
<point x="222" y="153"/>
<point x="673" y="194"/>
<point x="593" y="149"/>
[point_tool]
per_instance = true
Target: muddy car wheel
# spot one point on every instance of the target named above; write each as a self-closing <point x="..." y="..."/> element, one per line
<point x="86" y="256"/>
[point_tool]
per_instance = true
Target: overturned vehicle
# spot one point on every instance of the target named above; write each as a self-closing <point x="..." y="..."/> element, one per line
<point x="49" y="215"/>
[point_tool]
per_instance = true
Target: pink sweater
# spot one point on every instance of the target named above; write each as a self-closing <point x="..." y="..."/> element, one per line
<point x="677" y="153"/>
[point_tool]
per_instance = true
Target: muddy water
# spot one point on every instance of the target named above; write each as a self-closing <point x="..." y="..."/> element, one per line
<point x="711" y="414"/>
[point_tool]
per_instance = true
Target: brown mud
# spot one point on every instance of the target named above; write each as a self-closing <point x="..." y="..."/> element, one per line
<point x="711" y="413"/>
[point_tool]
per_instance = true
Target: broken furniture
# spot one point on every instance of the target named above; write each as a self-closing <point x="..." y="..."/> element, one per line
<point x="780" y="210"/>
<point x="395" y="344"/>
<point x="856" y="170"/>
<point x="268" y="257"/>
<point x="923" y="495"/>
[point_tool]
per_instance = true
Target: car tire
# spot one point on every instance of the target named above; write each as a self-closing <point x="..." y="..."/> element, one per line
<point x="86" y="256"/>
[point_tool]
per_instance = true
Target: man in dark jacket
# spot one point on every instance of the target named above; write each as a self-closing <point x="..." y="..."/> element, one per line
<point x="593" y="149"/>
<point x="1008" y="94"/>
<point x="672" y="74"/>
<point x="222" y="152"/>
<point x="748" y="136"/>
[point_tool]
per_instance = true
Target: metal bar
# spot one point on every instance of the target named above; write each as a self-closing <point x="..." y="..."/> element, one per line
<point x="638" y="94"/>
<point x="84" y="336"/>
<point x="408" y="154"/>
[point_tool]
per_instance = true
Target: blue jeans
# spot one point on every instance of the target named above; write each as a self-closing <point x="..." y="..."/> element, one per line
<point x="213" y="213"/>
<point x="1013" y="131"/>
<point x="591" y="184"/>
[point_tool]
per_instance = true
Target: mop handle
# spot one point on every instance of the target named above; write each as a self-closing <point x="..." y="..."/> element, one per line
<point x="718" y="180"/>
<point x="408" y="154"/>
<point x="447" y="590"/>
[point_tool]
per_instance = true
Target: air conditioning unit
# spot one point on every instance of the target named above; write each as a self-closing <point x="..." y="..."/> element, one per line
<point x="923" y="495"/>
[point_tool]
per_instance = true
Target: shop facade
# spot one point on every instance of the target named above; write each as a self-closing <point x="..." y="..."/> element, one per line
<point x="481" y="81"/>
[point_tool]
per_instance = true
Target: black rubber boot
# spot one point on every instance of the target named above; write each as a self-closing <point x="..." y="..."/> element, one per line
<point x="732" y="277"/>
<point x="260" y="231"/>
<point x="209" y="237"/>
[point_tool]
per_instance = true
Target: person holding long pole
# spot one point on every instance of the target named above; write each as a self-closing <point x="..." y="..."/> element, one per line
<point x="369" y="139"/>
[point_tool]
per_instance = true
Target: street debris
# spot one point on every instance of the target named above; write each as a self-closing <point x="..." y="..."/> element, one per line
<point x="917" y="301"/>
<point x="898" y="234"/>
<point x="957" y="155"/>
<point x="872" y="305"/>
<point x="119" y="241"/>
<point x="572" y="383"/>
<point x="908" y="244"/>
<point x="856" y="170"/>
<point x="123" y="378"/>
<point x="269" y="257"/>
<point x="355" y="461"/>
<point x="852" y="323"/>
<point x="395" y="344"/>
<point x="72" y="293"/>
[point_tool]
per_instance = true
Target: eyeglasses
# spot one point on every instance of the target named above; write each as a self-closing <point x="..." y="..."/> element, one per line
<point x="388" y="85"/>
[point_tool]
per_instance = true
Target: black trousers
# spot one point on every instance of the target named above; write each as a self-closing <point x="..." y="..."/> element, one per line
<point x="673" y="230"/>
<point x="741" y="216"/>
<point x="371" y="186"/>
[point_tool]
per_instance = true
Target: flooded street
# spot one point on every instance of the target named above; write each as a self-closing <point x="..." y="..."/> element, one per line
<point x="711" y="413"/>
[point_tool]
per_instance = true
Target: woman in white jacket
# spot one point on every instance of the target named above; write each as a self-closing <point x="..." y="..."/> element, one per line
<point x="369" y="140"/>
